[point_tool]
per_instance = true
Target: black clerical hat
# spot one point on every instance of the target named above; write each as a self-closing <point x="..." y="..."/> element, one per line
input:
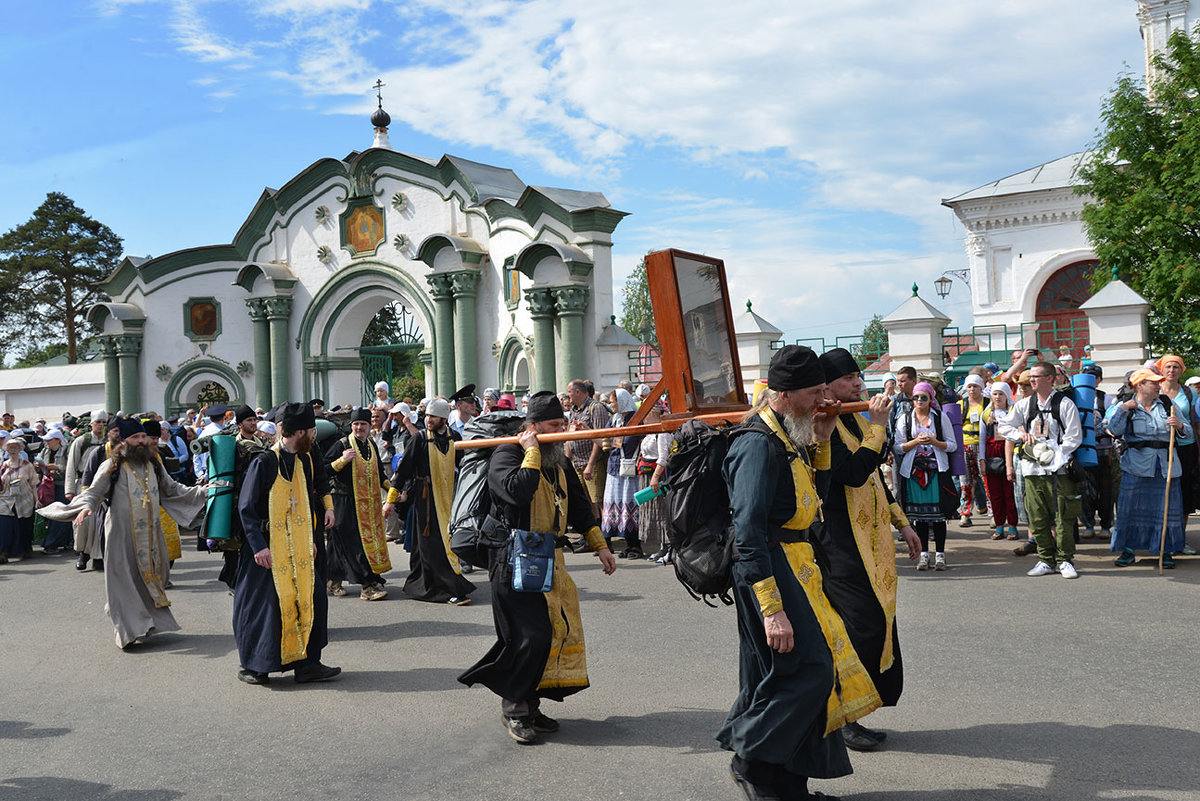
<point x="794" y="367"/>
<point x="151" y="427"/>
<point x="837" y="363"/>
<point x="242" y="412"/>
<point x="543" y="406"/>
<point x="297" y="417"/>
<point x="361" y="413"/>
<point x="128" y="427"/>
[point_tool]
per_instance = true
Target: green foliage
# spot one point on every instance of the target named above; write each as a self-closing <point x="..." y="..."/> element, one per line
<point x="637" y="314"/>
<point x="408" y="376"/>
<point x="874" y="342"/>
<point x="35" y="356"/>
<point x="48" y="270"/>
<point x="393" y="325"/>
<point x="1143" y="177"/>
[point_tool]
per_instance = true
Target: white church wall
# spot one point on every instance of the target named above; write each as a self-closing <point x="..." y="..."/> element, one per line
<point x="33" y="392"/>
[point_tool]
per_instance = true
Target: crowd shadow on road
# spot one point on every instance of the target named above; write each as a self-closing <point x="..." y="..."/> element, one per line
<point x="55" y="788"/>
<point x="1086" y="762"/>
<point x="209" y="646"/>
<point x="406" y="629"/>
<point x="976" y="562"/>
<point x="21" y="730"/>
<point x="381" y="681"/>
<point x="692" y="729"/>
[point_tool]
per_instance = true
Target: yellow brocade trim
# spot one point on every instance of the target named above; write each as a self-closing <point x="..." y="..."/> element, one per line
<point x="327" y="503"/>
<point x="393" y="495"/>
<point x="899" y="519"/>
<point x="595" y="539"/>
<point x="148" y="543"/>
<point x="566" y="667"/>
<point x="853" y="695"/>
<point x="170" y="530"/>
<point x="769" y="599"/>
<point x="822" y="456"/>
<point x="871" y="521"/>
<point x="441" y="481"/>
<point x="291" y="524"/>
<point x="368" y="509"/>
<point x="808" y="503"/>
<point x="533" y="459"/>
<point x="875" y="439"/>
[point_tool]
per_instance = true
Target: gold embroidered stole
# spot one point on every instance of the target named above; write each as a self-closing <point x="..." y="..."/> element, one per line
<point x="291" y="543"/>
<point x="441" y="484"/>
<point x="368" y="507"/>
<point x="148" y="542"/>
<point x="566" y="667"/>
<point x="808" y="503"/>
<point x="870" y="520"/>
<point x="853" y="695"/>
<point x="170" y="528"/>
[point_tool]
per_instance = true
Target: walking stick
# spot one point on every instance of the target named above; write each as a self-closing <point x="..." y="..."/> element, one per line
<point x="1162" y="543"/>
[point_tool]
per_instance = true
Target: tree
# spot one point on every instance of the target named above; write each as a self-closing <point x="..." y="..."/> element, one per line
<point x="637" y="314"/>
<point x="874" y="342"/>
<point x="51" y="265"/>
<point x="1143" y="179"/>
<point x="35" y="356"/>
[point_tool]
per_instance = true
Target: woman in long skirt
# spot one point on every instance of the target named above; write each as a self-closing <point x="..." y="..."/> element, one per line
<point x="923" y="440"/>
<point x="652" y="515"/>
<point x="1144" y="423"/>
<point x="620" y="513"/>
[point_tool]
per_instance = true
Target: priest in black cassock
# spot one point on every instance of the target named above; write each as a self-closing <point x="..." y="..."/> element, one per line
<point x="426" y="474"/>
<point x="857" y="539"/>
<point x="358" y="549"/>
<point x="280" y="608"/>
<point x="539" y="652"/>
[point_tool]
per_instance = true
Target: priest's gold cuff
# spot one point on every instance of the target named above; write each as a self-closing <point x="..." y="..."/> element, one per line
<point x="823" y="458"/>
<point x="595" y="539"/>
<point x="769" y="599"/>
<point x="875" y="438"/>
<point x="327" y="502"/>
<point x="393" y="495"/>
<point x="899" y="519"/>
<point x="338" y="464"/>
<point x="533" y="459"/>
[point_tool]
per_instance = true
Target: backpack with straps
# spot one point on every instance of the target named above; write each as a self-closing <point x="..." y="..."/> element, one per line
<point x="474" y="531"/>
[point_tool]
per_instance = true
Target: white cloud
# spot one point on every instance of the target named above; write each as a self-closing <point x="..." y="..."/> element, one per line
<point x="196" y="39"/>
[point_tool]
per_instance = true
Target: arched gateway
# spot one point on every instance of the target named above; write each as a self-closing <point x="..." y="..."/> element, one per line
<point x="509" y="284"/>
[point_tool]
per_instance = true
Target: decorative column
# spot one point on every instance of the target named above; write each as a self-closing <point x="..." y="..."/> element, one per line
<point x="128" y="347"/>
<point x="112" y="374"/>
<point x="262" y="351"/>
<point x="465" y="284"/>
<point x="278" y="309"/>
<point x="915" y="334"/>
<point x="442" y="291"/>
<point x="541" y="310"/>
<point x="571" y="302"/>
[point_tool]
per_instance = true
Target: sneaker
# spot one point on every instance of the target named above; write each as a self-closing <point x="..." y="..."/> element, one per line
<point x="544" y="723"/>
<point x="459" y="601"/>
<point x="1067" y="570"/>
<point x="939" y="561"/>
<point x="965" y="521"/>
<point x="1125" y="559"/>
<point x="1040" y="569"/>
<point x="1106" y="534"/>
<point x="1188" y="550"/>
<point x="521" y="730"/>
<point x="371" y="592"/>
<point x="253" y="677"/>
<point x="316" y="672"/>
<point x="465" y="567"/>
<point x="1088" y="533"/>
<point x="1168" y="562"/>
<point x="923" y="561"/>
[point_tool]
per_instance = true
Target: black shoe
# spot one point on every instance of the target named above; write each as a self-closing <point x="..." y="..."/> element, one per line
<point x="633" y="553"/>
<point x="858" y="741"/>
<point x="521" y="730"/>
<point x="544" y="723"/>
<point x="98" y="565"/>
<point x="317" y="672"/>
<point x="754" y="788"/>
<point x="252" y="677"/>
<point x="82" y="563"/>
<point x="1025" y="549"/>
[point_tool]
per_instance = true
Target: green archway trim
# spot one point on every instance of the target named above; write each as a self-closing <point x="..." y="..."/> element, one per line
<point x="334" y="299"/>
<point x="237" y="391"/>
<point x="578" y="262"/>
<point x="512" y="347"/>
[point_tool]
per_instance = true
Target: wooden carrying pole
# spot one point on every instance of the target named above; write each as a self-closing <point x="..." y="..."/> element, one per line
<point x="671" y="424"/>
<point x="1162" y="540"/>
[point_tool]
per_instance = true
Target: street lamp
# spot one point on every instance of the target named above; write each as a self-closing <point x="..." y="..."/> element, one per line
<point x="942" y="285"/>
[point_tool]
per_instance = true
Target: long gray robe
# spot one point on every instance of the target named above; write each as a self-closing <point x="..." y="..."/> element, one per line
<point x="135" y="556"/>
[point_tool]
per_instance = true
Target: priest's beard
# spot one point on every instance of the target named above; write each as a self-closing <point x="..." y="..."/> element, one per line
<point x="302" y="442"/>
<point x="553" y="456"/>
<point x="799" y="430"/>
<point x="139" y="455"/>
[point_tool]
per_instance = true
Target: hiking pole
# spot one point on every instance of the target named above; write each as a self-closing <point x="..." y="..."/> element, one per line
<point x="666" y="426"/>
<point x="1162" y="543"/>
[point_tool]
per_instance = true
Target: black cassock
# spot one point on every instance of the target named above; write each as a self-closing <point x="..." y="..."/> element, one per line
<point x="347" y="559"/>
<point x="847" y="584"/>
<point x="431" y="577"/>
<point x="256" y="618"/>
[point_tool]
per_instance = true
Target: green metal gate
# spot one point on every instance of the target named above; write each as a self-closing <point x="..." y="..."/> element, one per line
<point x="376" y="367"/>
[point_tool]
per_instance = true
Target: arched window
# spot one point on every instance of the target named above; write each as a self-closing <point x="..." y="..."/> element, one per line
<point x="1062" y="323"/>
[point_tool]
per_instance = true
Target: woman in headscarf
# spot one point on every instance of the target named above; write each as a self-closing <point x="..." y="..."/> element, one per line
<point x="998" y="468"/>
<point x="1144" y="423"/>
<point x="620" y="512"/>
<point x="1171" y="368"/>
<point x="923" y="440"/>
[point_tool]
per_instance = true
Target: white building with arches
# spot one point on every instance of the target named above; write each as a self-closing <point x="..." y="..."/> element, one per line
<point x="504" y="284"/>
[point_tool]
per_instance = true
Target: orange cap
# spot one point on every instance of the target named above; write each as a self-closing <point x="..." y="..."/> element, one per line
<point x="1144" y="375"/>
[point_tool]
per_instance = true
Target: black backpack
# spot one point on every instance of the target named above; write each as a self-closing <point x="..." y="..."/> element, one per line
<point x="474" y="531"/>
<point x="699" y="520"/>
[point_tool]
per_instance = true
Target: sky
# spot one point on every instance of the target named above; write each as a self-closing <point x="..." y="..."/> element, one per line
<point x="807" y="144"/>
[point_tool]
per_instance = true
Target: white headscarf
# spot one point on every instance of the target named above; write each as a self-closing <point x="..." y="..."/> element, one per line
<point x="625" y="402"/>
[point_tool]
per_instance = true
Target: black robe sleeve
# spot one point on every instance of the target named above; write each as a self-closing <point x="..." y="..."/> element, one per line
<point x="508" y="483"/>
<point x="252" y="502"/>
<point x="407" y="469"/>
<point x="751" y="473"/>
<point x="579" y="505"/>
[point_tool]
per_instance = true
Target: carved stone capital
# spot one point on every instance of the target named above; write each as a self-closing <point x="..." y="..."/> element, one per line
<point x="465" y="283"/>
<point x="257" y="308"/>
<point x="278" y="307"/>
<point x="108" y="346"/>
<point x="128" y="344"/>
<point x="540" y="302"/>
<point x="571" y="300"/>
<point x="976" y="244"/>
<point x="441" y="286"/>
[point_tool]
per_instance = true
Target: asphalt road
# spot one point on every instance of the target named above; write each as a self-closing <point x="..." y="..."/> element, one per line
<point x="1016" y="688"/>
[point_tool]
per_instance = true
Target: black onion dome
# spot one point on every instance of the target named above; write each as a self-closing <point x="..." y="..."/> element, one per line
<point x="380" y="118"/>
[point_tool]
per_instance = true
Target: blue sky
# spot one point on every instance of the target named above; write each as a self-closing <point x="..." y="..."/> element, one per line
<point x="808" y="144"/>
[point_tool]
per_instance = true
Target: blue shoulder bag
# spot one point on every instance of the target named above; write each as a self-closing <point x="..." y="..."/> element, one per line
<point x="532" y="558"/>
